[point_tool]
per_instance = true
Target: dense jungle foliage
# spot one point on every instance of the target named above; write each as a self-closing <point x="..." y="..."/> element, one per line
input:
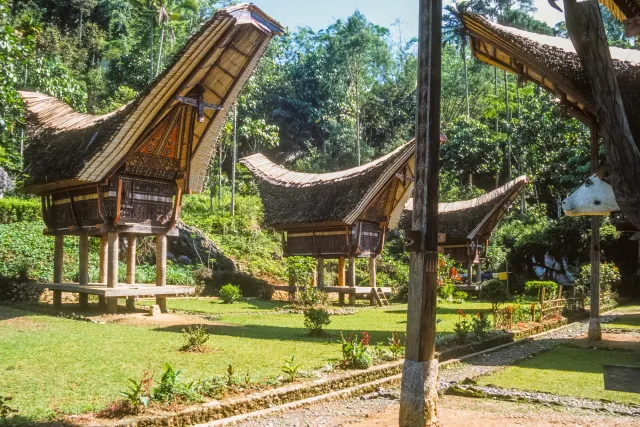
<point x="320" y="101"/>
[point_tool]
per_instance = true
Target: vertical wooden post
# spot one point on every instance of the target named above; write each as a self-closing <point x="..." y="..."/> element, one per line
<point x="595" y="331"/>
<point x="112" y="269"/>
<point x="372" y="272"/>
<point x="419" y="390"/>
<point x="131" y="267"/>
<point x="320" y="273"/>
<point x="341" y="277"/>
<point x="83" y="272"/>
<point x="58" y="262"/>
<point x="161" y="269"/>
<point x="104" y="256"/>
<point x="351" y="279"/>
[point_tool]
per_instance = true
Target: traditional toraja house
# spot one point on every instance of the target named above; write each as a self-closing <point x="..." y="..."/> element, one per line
<point x="342" y="215"/>
<point x="124" y="173"/>
<point x="595" y="83"/>
<point x="465" y="227"/>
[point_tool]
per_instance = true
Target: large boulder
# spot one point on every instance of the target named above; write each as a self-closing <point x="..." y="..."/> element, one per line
<point x="192" y="244"/>
<point x="6" y="184"/>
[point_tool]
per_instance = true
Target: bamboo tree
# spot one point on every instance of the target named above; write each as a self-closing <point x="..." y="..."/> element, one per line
<point x="454" y="31"/>
<point x="234" y="160"/>
<point x="169" y="10"/>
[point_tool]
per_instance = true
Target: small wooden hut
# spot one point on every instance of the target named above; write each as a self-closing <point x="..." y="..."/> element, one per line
<point x="124" y="173"/>
<point x="465" y="227"/>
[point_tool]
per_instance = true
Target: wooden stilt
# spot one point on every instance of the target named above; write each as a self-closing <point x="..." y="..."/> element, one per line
<point x="320" y="273"/>
<point x="161" y="269"/>
<point x="341" y="276"/>
<point x="595" y="331"/>
<point x="112" y="270"/>
<point x="58" y="260"/>
<point x="104" y="256"/>
<point x="372" y="272"/>
<point x="351" y="279"/>
<point x="131" y="258"/>
<point x="131" y="303"/>
<point x="83" y="271"/>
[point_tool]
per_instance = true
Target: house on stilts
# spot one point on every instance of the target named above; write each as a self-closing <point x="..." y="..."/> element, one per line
<point x="345" y="215"/>
<point x="124" y="173"/>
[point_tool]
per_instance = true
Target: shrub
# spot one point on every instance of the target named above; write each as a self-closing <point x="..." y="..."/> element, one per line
<point x="355" y="354"/>
<point x="173" y="389"/>
<point x="494" y="291"/>
<point x="301" y="269"/>
<point x="462" y="327"/>
<point x="19" y="210"/>
<point x="139" y="393"/>
<point x="538" y="285"/>
<point x="609" y="277"/>
<point x="315" y="319"/>
<point x="310" y="297"/>
<point x="211" y="387"/>
<point x="195" y="337"/>
<point x="395" y="346"/>
<point x="460" y="296"/>
<point x="446" y="290"/>
<point x="17" y="291"/>
<point x="290" y="368"/>
<point x="481" y="325"/>
<point x="230" y="294"/>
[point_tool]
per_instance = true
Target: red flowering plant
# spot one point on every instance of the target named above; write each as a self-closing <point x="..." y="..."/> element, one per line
<point x="365" y="339"/>
<point x="462" y="327"/>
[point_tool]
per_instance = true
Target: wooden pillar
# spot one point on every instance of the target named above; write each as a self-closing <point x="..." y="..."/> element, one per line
<point x="351" y="279"/>
<point x="320" y="273"/>
<point x="58" y="262"/>
<point x="595" y="331"/>
<point x="112" y="269"/>
<point x="131" y="267"/>
<point x="419" y="389"/>
<point x="372" y="272"/>
<point x="470" y="272"/>
<point x="83" y="271"/>
<point x="479" y="272"/>
<point x="341" y="280"/>
<point x="161" y="269"/>
<point x="104" y="255"/>
<point x="131" y="259"/>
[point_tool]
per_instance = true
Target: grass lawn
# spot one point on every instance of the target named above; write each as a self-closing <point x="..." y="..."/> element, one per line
<point x="567" y="371"/>
<point x="628" y="321"/>
<point x="81" y="366"/>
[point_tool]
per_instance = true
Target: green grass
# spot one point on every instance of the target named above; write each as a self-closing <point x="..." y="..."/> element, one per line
<point x="217" y="306"/>
<point x="567" y="371"/>
<point x="628" y="321"/>
<point x="81" y="366"/>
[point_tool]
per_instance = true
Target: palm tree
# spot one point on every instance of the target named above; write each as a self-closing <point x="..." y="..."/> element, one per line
<point x="147" y="9"/>
<point x="169" y="10"/>
<point x="455" y="32"/>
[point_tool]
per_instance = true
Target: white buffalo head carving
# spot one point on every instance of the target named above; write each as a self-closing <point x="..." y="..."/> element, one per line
<point x="594" y="197"/>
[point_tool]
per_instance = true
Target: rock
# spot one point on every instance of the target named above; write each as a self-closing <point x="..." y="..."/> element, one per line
<point x="154" y="310"/>
<point x="171" y="257"/>
<point x="183" y="259"/>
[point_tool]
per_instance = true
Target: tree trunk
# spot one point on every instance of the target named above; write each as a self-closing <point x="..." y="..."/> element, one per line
<point x="220" y="177"/>
<point x="233" y="163"/>
<point x="587" y="33"/>
<point x="160" y="49"/>
<point x="151" y="49"/>
<point x="495" y="92"/>
<point x="357" y="116"/>
<point x="466" y="76"/>
<point x="508" y="128"/>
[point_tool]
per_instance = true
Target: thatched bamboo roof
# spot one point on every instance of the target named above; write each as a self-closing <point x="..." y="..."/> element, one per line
<point x="622" y="9"/>
<point x="291" y="197"/>
<point x="553" y="64"/>
<point x="70" y="148"/>
<point x="471" y="219"/>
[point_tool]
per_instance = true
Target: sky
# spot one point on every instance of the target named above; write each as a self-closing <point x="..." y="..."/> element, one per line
<point x="320" y="14"/>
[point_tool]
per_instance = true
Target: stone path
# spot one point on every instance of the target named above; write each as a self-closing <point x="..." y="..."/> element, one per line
<point x="370" y="410"/>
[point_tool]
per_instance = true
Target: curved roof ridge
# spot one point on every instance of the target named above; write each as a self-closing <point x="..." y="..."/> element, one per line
<point x="56" y="115"/>
<point x="617" y="53"/>
<point x="265" y="169"/>
<point x="475" y="202"/>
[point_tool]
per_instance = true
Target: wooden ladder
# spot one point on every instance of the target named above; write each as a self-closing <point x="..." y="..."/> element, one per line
<point x="379" y="297"/>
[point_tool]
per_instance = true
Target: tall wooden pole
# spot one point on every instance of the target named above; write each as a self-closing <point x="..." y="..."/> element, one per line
<point x="161" y="269"/>
<point x="320" y="273"/>
<point x="83" y="268"/>
<point x="595" y="331"/>
<point x="131" y="267"/>
<point x="112" y="269"/>
<point x="234" y="160"/>
<point x="419" y="392"/>
<point x="58" y="262"/>
<point x="104" y="255"/>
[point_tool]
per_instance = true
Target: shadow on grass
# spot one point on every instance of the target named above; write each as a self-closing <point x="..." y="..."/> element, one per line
<point x="20" y="421"/>
<point x="279" y="333"/>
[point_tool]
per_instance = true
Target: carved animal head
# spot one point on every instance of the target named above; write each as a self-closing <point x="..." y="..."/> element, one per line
<point x="594" y="197"/>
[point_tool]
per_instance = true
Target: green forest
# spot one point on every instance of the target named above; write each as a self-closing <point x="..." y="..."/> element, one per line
<point x="320" y="101"/>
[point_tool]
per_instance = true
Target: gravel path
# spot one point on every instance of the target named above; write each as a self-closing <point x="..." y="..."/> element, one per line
<point x="359" y="410"/>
